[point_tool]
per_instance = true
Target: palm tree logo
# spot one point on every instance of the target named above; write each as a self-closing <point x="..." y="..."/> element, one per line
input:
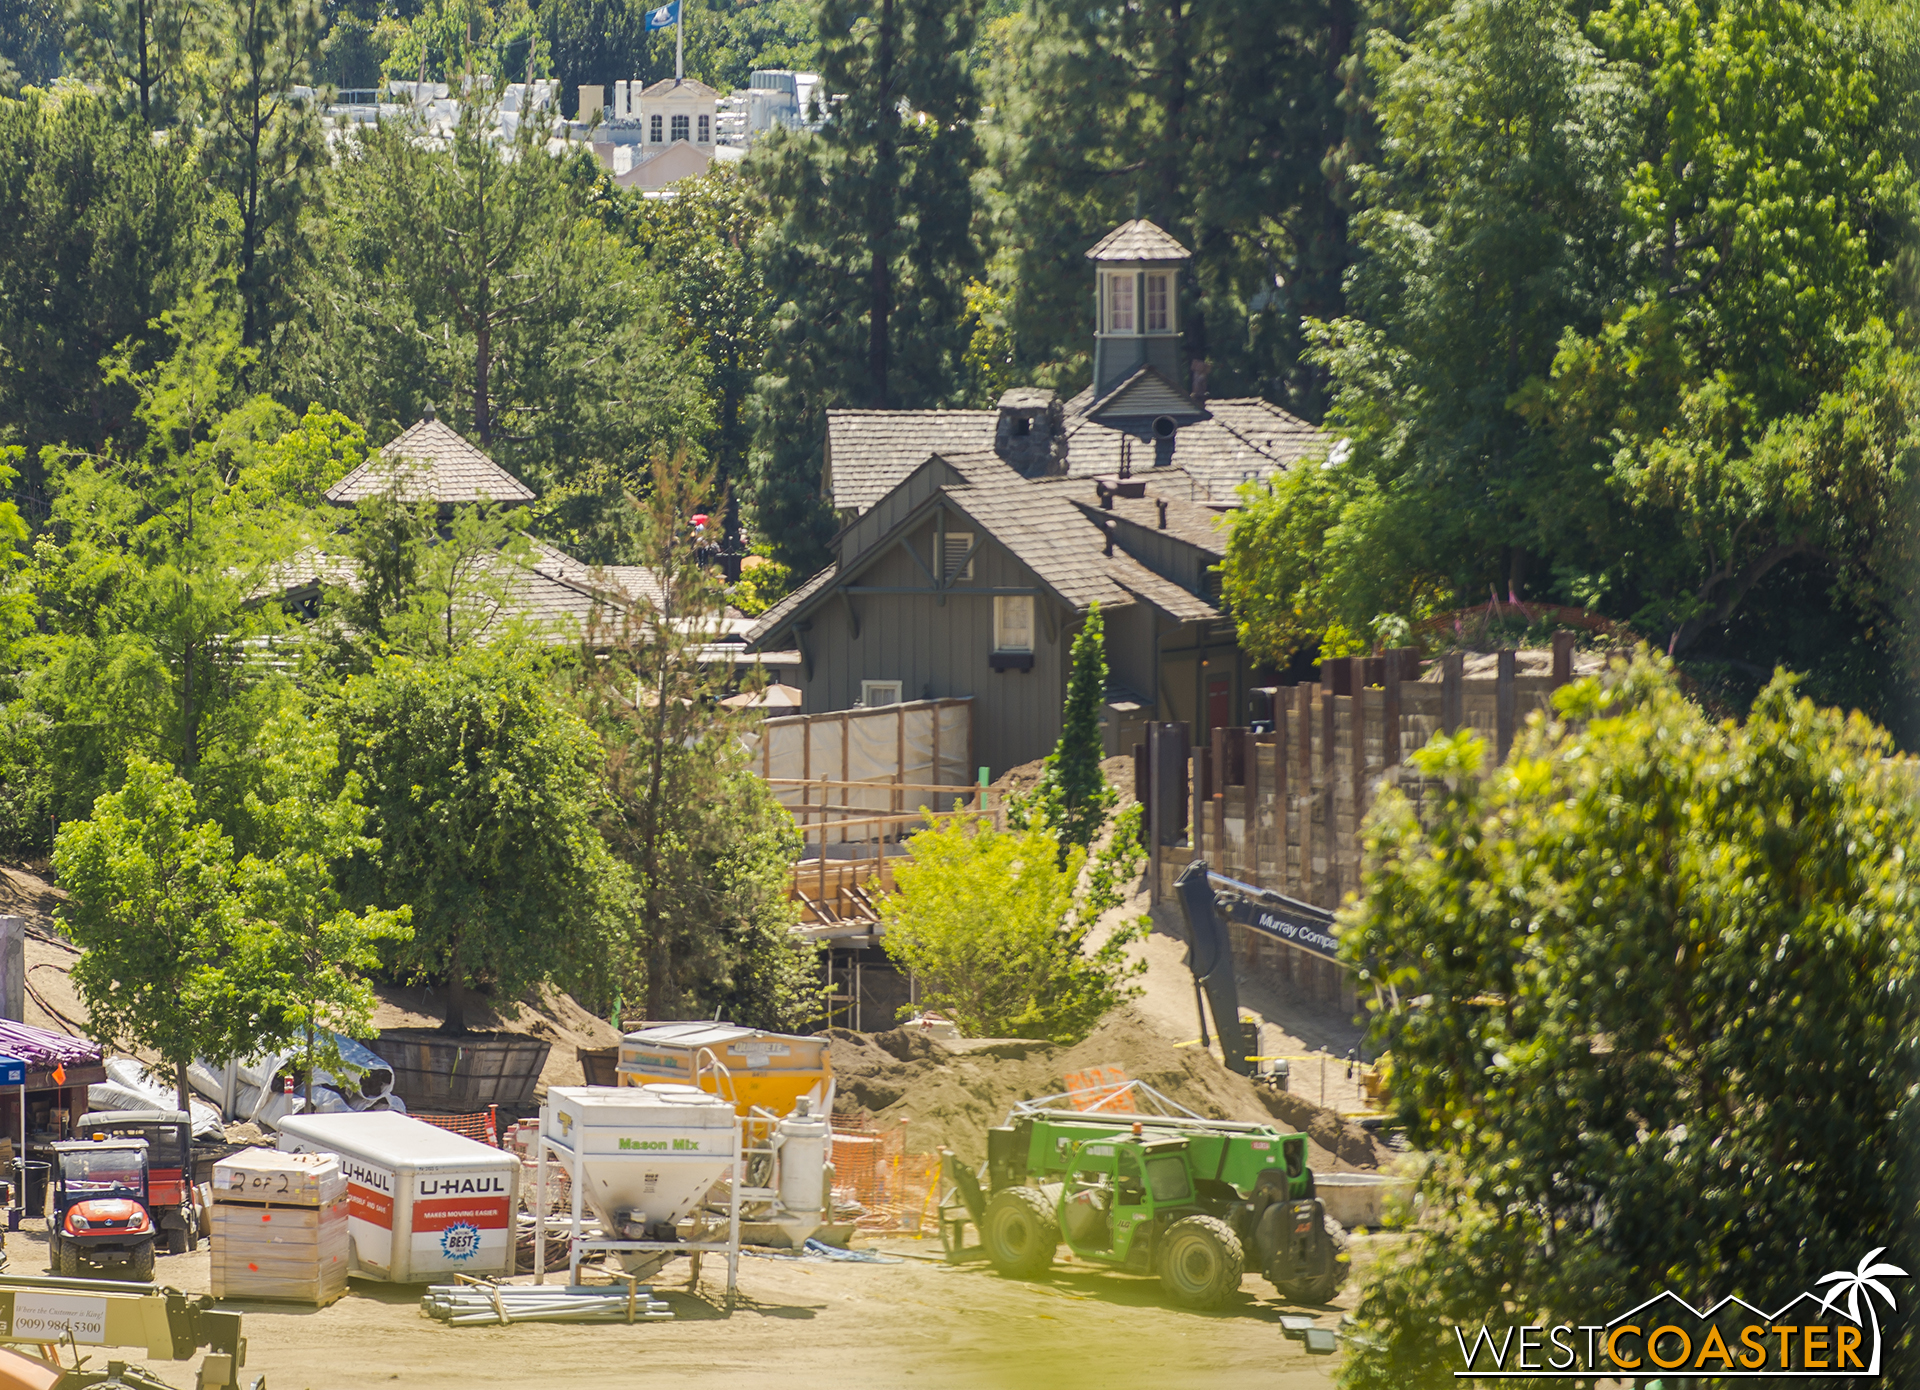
<point x="1852" y="1283"/>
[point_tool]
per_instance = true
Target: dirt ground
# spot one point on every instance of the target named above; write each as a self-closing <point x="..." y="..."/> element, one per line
<point x="920" y="1323"/>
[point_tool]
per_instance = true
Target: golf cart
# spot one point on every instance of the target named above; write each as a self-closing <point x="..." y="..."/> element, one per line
<point x="100" y="1212"/>
<point x="169" y="1136"/>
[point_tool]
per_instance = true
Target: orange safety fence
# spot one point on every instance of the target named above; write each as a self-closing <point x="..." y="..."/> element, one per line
<point x="483" y="1126"/>
<point x="872" y="1170"/>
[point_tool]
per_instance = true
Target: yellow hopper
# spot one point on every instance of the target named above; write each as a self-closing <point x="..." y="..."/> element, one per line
<point x="744" y="1065"/>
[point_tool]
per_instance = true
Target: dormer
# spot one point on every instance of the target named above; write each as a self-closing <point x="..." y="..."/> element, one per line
<point x="1137" y="304"/>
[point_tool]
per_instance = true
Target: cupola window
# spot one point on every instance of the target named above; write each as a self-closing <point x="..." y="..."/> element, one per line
<point x="1159" y="311"/>
<point x="1120" y="304"/>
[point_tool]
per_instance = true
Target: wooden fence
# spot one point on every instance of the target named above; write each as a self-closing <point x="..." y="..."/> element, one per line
<point x="848" y="853"/>
<point x="1280" y="803"/>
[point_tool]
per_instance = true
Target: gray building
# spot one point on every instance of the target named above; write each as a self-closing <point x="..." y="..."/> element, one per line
<point x="975" y="542"/>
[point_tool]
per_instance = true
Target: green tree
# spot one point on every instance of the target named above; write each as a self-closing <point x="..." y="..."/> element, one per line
<point x="1573" y="367"/>
<point x="709" y="848"/>
<point x="1073" y="797"/>
<point x="30" y="43"/>
<point x="700" y="244"/>
<point x="102" y="231"/>
<point x="144" y="50"/>
<point x="988" y="923"/>
<point x="1318" y="554"/>
<point x="480" y="277"/>
<point x="1606" y="971"/>
<point x="297" y="944"/>
<point x="150" y="575"/>
<point x="868" y="248"/>
<point x="264" y="146"/>
<point x="484" y="789"/>
<point x="425" y="583"/>
<point x="1225" y="122"/>
<point x="151" y="903"/>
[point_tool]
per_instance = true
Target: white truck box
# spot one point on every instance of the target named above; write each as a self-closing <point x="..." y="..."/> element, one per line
<point x="423" y="1203"/>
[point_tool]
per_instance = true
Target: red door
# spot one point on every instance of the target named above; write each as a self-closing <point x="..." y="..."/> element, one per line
<point x="1219" y="704"/>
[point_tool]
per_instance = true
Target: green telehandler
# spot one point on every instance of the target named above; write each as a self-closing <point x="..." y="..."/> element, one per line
<point x="1197" y="1202"/>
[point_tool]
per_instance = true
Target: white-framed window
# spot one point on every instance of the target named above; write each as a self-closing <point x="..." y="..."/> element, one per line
<point x="953" y="550"/>
<point x="1120" y="303"/>
<point x="681" y="125"/>
<point x="1159" y="306"/>
<point x="876" y="693"/>
<point x="706" y="130"/>
<point x="654" y="130"/>
<point x="1013" y="623"/>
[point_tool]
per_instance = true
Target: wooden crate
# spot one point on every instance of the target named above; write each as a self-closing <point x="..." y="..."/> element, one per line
<point x="267" y="1175"/>
<point x="294" y="1250"/>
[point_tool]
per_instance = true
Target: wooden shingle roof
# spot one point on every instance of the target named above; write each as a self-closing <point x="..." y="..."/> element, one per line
<point x="1138" y="240"/>
<point x="871" y="452"/>
<point x="430" y="462"/>
<point x="1236" y="441"/>
<point x="1043" y="524"/>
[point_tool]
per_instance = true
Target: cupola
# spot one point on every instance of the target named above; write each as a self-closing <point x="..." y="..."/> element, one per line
<point x="1137" y="309"/>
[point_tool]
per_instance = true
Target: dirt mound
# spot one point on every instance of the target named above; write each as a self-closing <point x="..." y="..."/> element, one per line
<point x="949" y="1098"/>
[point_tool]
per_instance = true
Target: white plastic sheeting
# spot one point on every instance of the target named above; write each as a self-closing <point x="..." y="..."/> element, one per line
<point x="130" y="1086"/>
<point x="922" y="742"/>
<point x="368" y="1086"/>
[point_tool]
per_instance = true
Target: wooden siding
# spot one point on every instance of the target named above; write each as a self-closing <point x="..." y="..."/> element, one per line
<point x="894" y="508"/>
<point x="1174" y="560"/>
<point x="938" y="651"/>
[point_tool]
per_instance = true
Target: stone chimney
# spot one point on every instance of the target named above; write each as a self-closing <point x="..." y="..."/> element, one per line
<point x="1031" y="435"/>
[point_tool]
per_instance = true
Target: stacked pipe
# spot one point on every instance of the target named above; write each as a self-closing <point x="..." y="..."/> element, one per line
<point x="478" y="1305"/>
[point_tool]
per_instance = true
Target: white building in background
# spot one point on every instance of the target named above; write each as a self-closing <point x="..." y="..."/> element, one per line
<point x="651" y="136"/>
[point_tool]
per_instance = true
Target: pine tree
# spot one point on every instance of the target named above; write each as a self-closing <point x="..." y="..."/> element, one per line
<point x="1227" y="123"/>
<point x="1073" y="796"/>
<point x="266" y="144"/>
<point x="869" y="247"/>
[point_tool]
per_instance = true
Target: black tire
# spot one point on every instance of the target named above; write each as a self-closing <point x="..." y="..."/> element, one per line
<point x="66" y="1258"/>
<point x="176" y="1240"/>
<point x="1201" y="1261"/>
<point x="1321" y="1288"/>
<point x="1019" y="1232"/>
<point x="140" y="1267"/>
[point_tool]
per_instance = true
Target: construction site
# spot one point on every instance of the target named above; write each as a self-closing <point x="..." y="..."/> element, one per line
<point x="1199" y="1184"/>
<point x="699" y="1198"/>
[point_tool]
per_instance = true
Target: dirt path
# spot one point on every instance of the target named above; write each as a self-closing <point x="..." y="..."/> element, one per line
<point x="919" y="1323"/>
<point x="1314" y="1037"/>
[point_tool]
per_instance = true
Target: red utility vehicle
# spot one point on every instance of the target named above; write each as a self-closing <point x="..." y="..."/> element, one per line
<point x="169" y="1136"/>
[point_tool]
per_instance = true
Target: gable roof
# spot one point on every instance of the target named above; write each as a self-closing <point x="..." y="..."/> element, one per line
<point x="682" y="86"/>
<point x="435" y="464"/>
<point x="1138" y="240"/>
<point x="1040" y="523"/>
<point x="1146" y="392"/>
<point x="871" y="452"/>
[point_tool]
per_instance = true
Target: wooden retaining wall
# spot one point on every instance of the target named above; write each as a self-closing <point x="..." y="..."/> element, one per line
<point x="1279" y="804"/>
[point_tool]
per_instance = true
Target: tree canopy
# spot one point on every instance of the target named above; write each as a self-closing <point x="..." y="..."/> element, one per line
<point x="1649" y="990"/>
<point x="482" y="788"/>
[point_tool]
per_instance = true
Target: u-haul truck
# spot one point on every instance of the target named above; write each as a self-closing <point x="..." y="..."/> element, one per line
<point x="422" y="1203"/>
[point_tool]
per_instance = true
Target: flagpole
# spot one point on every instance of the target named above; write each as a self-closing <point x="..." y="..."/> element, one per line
<point x="679" y="43"/>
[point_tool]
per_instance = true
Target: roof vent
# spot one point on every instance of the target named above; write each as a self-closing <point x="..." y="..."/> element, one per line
<point x="427" y="414"/>
<point x="1161" y="503"/>
<point x="1163" y="427"/>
